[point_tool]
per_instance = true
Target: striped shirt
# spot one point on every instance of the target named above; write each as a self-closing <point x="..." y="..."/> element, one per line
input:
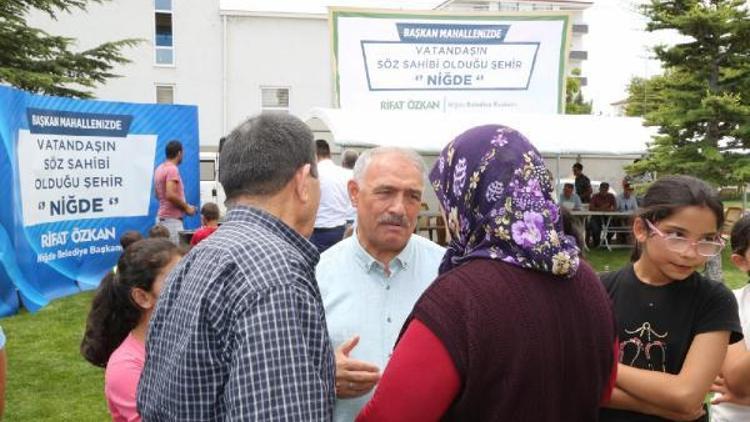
<point x="239" y="332"/>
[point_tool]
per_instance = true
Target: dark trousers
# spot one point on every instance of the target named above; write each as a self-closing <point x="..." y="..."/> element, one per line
<point x="324" y="238"/>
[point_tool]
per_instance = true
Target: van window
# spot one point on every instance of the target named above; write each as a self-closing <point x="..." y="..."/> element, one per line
<point x="208" y="170"/>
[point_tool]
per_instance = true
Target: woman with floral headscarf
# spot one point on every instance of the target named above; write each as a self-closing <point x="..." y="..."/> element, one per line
<point x="516" y="327"/>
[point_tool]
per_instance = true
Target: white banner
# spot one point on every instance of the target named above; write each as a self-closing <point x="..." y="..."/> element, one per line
<point x="409" y="61"/>
<point x="65" y="177"/>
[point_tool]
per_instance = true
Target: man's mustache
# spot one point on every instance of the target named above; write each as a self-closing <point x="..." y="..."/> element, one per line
<point x="399" y="220"/>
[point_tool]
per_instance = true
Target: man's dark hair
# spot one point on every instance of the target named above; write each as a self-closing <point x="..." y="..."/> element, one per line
<point x="578" y="166"/>
<point x="740" y="235"/>
<point x="322" y="149"/>
<point x="173" y="148"/>
<point x="210" y="211"/>
<point x="604" y="185"/>
<point x="349" y="159"/>
<point x="568" y="185"/>
<point x="262" y="154"/>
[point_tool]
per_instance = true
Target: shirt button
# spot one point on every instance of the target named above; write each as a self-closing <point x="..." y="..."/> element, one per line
<point x="388" y="287"/>
<point x="388" y="319"/>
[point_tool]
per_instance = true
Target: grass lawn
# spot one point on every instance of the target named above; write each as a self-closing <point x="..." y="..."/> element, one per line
<point x="48" y="380"/>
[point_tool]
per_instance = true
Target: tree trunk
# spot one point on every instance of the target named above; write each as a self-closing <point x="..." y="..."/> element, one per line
<point x="713" y="269"/>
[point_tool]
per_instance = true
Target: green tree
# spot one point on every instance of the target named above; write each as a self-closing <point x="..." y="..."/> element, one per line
<point x="644" y="95"/>
<point x="574" y="102"/>
<point x="36" y="61"/>
<point x="702" y="106"/>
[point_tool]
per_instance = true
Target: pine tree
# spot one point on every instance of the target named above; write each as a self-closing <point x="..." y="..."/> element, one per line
<point x="703" y="107"/>
<point x="36" y="61"/>
<point x="644" y="95"/>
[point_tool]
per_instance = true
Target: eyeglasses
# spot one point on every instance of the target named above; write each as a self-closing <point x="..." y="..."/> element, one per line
<point x="679" y="244"/>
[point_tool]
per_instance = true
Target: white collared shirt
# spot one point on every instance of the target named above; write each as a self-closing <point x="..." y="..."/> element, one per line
<point x="361" y="299"/>
<point x="730" y="412"/>
<point x="335" y="204"/>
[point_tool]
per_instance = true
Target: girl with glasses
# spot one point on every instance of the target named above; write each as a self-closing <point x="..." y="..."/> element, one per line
<point x="674" y="325"/>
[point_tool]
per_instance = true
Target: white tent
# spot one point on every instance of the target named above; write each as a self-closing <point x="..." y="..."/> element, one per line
<point x="554" y="135"/>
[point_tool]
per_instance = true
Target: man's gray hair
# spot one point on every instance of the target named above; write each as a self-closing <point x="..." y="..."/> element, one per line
<point x="366" y="157"/>
<point x="262" y="154"/>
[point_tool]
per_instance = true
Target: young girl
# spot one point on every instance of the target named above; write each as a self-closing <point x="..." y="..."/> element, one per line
<point x="673" y="324"/>
<point x="117" y="324"/>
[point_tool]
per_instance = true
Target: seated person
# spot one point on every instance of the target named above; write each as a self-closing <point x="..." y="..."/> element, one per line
<point x="626" y="201"/>
<point x="600" y="201"/>
<point x="209" y="222"/>
<point x="569" y="199"/>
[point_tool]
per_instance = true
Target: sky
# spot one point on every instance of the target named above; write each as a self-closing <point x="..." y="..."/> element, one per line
<point x="618" y="43"/>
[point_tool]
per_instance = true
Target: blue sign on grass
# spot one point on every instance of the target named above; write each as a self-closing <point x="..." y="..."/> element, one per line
<point x="75" y="175"/>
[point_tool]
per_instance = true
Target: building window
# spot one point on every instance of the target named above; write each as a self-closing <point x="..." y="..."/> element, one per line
<point x="164" y="94"/>
<point x="163" y="35"/>
<point x="274" y="99"/>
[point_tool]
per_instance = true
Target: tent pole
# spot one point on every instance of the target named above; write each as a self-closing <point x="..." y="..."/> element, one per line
<point x="558" y="184"/>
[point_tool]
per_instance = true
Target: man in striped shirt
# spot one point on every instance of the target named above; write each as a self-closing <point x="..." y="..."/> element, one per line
<point x="239" y="332"/>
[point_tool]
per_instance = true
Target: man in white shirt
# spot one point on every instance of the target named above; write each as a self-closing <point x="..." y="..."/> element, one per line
<point x="333" y="212"/>
<point x="626" y="201"/>
<point x="370" y="281"/>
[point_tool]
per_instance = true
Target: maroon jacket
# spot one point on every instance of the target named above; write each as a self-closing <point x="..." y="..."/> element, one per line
<point x="528" y="346"/>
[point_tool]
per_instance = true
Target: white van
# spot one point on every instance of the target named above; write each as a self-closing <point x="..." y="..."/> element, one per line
<point x="211" y="190"/>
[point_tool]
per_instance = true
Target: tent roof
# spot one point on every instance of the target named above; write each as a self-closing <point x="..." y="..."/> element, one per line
<point x="426" y="132"/>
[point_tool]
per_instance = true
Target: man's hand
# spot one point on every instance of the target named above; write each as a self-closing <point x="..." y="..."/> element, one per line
<point x="190" y="210"/>
<point x="726" y="396"/>
<point x="354" y="378"/>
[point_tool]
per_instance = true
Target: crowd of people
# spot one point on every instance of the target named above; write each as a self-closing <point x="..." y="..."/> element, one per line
<point x="314" y="299"/>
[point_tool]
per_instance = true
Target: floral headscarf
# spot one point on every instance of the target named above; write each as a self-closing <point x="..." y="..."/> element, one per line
<point x="494" y="187"/>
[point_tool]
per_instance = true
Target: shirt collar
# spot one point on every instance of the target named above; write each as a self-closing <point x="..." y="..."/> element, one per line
<point x="400" y="262"/>
<point x="246" y="214"/>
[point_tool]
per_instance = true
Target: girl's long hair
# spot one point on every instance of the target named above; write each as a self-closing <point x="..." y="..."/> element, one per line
<point x="113" y="312"/>
<point x="670" y="194"/>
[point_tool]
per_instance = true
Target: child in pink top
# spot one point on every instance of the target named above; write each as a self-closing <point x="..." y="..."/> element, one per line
<point x="118" y="321"/>
<point x="121" y="379"/>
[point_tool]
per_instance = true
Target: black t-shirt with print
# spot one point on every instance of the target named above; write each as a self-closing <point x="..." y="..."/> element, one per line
<point x="656" y="324"/>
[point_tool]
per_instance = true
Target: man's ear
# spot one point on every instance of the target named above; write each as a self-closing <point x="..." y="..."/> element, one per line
<point x="301" y="186"/>
<point x="142" y="298"/>
<point x="353" y="188"/>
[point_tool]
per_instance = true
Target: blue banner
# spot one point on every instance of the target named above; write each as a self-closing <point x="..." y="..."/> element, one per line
<point x="77" y="174"/>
